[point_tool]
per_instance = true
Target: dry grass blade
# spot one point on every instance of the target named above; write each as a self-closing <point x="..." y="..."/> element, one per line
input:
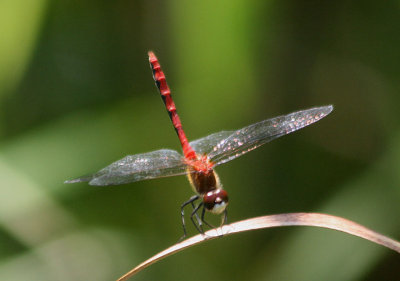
<point x="291" y="219"/>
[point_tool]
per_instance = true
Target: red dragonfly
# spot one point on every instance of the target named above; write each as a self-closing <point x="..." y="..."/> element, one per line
<point x="201" y="156"/>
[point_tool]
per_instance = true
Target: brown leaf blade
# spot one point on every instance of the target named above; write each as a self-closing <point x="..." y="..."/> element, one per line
<point x="290" y="219"/>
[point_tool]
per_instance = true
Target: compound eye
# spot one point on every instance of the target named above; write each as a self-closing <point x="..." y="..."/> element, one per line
<point x="216" y="201"/>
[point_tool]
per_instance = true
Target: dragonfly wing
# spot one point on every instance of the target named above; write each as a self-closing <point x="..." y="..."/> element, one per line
<point x="155" y="164"/>
<point x="255" y="135"/>
<point x="206" y="144"/>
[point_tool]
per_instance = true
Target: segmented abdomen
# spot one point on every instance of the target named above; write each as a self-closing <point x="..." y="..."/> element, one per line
<point x="161" y="82"/>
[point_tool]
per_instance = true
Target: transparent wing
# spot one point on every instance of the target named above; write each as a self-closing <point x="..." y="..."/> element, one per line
<point x="255" y="135"/>
<point x="206" y="144"/>
<point x="155" y="164"/>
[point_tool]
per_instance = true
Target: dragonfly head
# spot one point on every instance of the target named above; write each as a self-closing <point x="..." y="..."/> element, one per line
<point x="215" y="201"/>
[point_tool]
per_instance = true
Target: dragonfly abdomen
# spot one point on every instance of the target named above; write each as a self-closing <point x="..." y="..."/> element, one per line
<point x="161" y="82"/>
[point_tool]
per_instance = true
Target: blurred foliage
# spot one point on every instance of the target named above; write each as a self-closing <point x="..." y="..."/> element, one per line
<point x="76" y="94"/>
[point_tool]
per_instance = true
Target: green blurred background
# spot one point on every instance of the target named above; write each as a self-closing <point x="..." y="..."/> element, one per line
<point x="76" y="93"/>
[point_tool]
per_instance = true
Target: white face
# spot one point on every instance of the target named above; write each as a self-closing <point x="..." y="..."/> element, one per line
<point x="219" y="208"/>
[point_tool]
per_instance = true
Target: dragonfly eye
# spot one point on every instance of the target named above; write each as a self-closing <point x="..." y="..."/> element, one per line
<point x="216" y="201"/>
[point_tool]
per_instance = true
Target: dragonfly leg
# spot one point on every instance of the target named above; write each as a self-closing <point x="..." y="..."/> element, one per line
<point x="225" y="218"/>
<point x="199" y="225"/>
<point x="190" y="201"/>
<point x="197" y="216"/>
<point x="203" y="220"/>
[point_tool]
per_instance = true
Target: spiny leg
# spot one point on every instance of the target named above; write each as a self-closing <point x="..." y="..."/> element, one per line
<point x="203" y="220"/>
<point x="197" y="216"/>
<point x="190" y="201"/>
<point x="225" y="218"/>
<point x="198" y="226"/>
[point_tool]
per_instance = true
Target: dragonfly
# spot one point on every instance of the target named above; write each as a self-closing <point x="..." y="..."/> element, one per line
<point x="201" y="156"/>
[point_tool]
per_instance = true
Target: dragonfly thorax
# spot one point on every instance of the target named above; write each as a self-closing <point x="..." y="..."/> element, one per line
<point x="203" y="181"/>
<point x="201" y="175"/>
